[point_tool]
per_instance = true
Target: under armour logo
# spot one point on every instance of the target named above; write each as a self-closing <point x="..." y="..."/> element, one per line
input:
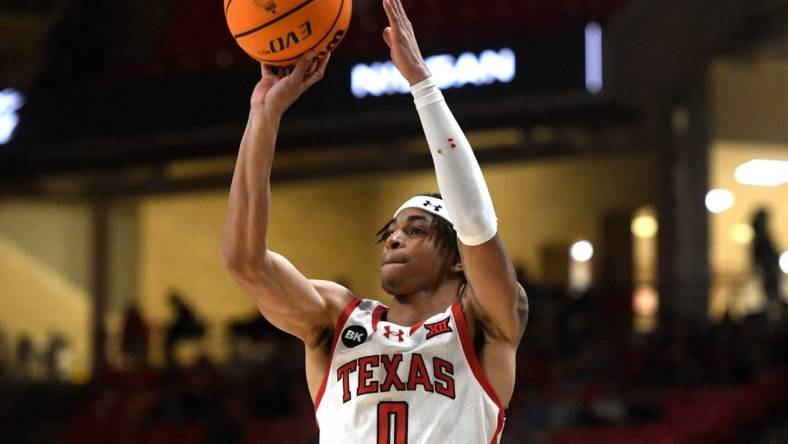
<point x="438" y="328"/>
<point x="428" y="204"/>
<point x="387" y="333"/>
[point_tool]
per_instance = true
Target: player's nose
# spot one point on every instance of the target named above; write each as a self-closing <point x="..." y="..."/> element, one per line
<point x="395" y="240"/>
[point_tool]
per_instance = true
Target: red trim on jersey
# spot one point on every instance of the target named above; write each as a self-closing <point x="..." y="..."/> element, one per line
<point x="476" y="367"/>
<point x="415" y="327"/>
<point x="377" y="314"/>
<point x="337" y="332"/>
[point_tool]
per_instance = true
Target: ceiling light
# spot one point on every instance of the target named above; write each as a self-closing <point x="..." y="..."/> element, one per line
<point x="645" y="301"/>
<point x="760" y="172"/>
<point x="719" y="200"/>
<point x="645" y="226"/>
<point x="581" y="251"/>
<point x="742" y="233"/>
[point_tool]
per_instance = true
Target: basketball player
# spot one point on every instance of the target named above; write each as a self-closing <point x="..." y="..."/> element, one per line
<point x="438" y="365"/>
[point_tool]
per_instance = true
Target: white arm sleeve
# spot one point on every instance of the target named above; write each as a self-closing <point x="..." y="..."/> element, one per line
<point x="460" y="178"/>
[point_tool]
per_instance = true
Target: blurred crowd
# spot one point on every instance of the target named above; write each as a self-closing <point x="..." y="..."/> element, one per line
<point x="581" y="374"/>
<point x="580" y="370"/>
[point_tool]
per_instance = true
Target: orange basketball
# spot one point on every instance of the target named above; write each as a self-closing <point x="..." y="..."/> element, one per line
<point x="278" y="32"/>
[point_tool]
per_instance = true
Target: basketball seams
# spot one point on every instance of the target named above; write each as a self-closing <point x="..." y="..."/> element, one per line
<point x="317" y="12"/>
<point x="322" y="39"/>
<point x="281" y="17"/>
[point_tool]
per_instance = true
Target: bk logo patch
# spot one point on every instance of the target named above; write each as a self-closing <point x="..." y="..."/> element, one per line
<point x="438" y="328"/>
<point x="354" y="335"/>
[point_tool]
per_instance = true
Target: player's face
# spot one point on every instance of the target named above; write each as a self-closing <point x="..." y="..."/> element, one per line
<point x="411" y="260"/>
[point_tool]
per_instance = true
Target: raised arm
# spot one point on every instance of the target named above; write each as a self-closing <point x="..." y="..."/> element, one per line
<point x="496" y="296"/>
<point x="284" y="296"/>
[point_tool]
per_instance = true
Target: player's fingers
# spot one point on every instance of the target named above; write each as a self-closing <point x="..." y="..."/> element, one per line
<point x="390" y="13"/>
<point x="314" y="68"/>
<point x="387" y="36"/>
<point x="311" y="68"/>
<point x="399" y="11"/>
<point x="323" y="63"/>
<point x="320" y="69"/>
<point x="266" y="70"/>
<point x="323" y="59"/>
<point x="302" y="66"/>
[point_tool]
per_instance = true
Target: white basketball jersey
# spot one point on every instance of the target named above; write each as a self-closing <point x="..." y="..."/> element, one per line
<point x="390" y="384"/>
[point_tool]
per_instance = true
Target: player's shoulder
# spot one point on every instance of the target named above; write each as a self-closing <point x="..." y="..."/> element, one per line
<point x="323" y="287"/>
<point x="339" y="299"/>
<point x="336" y="296"/>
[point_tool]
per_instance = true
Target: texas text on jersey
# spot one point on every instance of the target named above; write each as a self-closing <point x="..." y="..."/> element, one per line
<point x="390" y="384"/>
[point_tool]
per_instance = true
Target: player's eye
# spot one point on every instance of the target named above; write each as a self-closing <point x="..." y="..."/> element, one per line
<point x="417" y="231"/>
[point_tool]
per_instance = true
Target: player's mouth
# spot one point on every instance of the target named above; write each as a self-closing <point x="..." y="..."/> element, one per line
<point x="394" y="260"/>
<point x="392" y="264"/>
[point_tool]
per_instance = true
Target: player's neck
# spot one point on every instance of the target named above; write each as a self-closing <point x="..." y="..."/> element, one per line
<point x="414" y="308"/>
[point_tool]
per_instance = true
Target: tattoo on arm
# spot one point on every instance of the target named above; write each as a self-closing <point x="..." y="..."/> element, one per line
<point x="485" y="321"/>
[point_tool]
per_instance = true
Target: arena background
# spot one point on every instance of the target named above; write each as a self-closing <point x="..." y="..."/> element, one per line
<point x="627" y="124"/>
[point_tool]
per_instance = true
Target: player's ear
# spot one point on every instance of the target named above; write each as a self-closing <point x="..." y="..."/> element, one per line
<point x="457" y="267"/>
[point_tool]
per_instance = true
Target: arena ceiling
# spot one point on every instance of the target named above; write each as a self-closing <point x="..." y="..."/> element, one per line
<point x="119" y="85"/>
<point x="108" y="84"/>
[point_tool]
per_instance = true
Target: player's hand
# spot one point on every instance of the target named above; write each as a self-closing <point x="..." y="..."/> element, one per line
<point x="275" y="92"/>
<point x="401" y="40"/>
